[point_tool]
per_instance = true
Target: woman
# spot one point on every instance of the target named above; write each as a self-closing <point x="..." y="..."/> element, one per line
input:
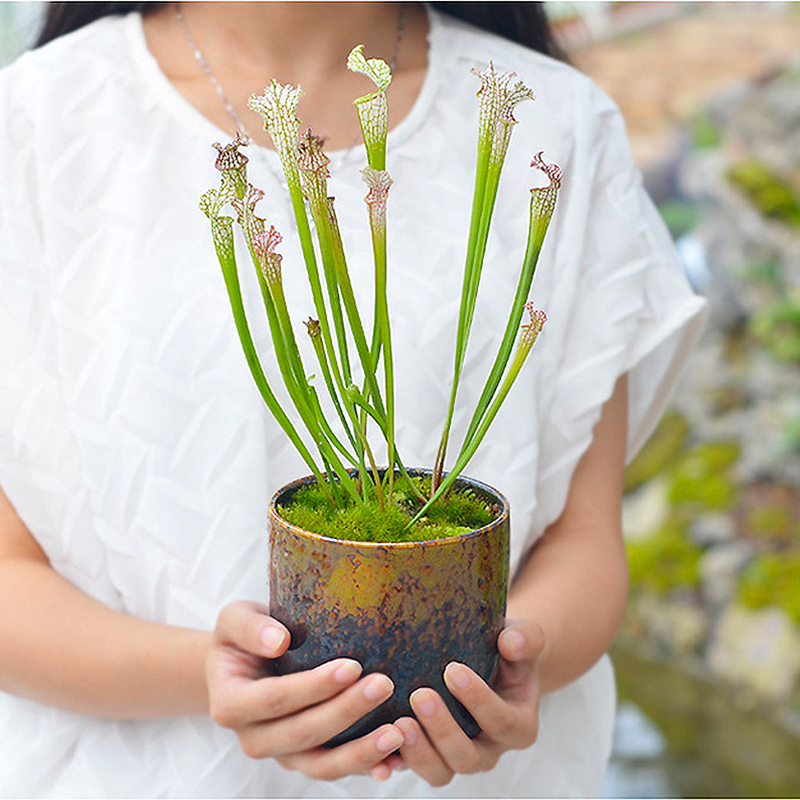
<point x="136" y="459"/>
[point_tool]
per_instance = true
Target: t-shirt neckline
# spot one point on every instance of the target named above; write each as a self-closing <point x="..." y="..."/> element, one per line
<point x="171" y="100"/>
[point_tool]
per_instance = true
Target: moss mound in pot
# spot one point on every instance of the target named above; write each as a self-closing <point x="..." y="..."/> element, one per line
<point x="461" y="512"/>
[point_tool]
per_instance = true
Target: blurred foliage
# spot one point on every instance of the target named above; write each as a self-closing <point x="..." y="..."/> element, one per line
<point x="768" y="192"/>
<point x="771" y="513"/>
<point x="773" y="579"/>
<point x="666" y="561"/>
<point x="660" y="451"/>
<point x="701" y="480"/>
<point x="680" y="216"/>
<point x="791" y="436"/>
<point x="770" y="522"/>
<point x="777" y="327"/>
<point x="766" y="271"/>
<point x="705" y="132"/>
<point x="726" y="397"/>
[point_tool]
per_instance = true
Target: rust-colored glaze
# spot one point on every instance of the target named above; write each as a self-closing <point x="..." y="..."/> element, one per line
<point x="405" y="609"/>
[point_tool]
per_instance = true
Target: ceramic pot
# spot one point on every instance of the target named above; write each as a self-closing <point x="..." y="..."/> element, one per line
<point x="404" y="609"/>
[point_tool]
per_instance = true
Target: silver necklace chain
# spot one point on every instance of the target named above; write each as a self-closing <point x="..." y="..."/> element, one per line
<point x="238" y="124"/>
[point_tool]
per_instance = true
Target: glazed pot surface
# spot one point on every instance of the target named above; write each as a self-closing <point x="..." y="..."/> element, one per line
<point x="404" y="609"/>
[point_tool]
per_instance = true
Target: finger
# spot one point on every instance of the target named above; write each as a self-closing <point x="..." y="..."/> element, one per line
<point x="380" y="772"/>
<point x="356" y="757"/>
<point x="236" y="704"/>
<point x="395" y="762"/>
<point x="420" y="755"/>
<point x="313" y="726"/>
<point x="459" y="752"/>
<point x="249" y="627"/>
<point x="520" y="645"/>
<point x="510" y="724"/>
<point x="392" y="763"/>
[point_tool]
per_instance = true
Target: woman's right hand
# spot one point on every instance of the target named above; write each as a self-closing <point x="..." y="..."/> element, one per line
<point x="290" y="717"/>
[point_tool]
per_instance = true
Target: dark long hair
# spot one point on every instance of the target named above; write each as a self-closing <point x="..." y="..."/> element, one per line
<point x="525" y="23"/>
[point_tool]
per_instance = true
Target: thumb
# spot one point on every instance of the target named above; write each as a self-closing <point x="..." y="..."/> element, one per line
<point x="249" y="627"/>
<point x="521" y="644"/>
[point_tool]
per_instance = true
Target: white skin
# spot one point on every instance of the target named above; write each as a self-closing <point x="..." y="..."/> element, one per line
<point x="62" y="648"/>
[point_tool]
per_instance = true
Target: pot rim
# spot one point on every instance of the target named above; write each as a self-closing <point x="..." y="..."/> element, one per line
<point x="485" y="487"/>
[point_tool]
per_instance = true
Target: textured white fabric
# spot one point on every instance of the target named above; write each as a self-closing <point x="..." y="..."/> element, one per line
<point x="134" y="445"/>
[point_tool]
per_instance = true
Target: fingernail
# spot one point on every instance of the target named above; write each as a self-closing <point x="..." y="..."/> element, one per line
<point x="389" y="741"/>
<point x="458" y="674"/>
<point x="378" y="687"/>
<point x="272" y="637"/>
<point x="424" y="704"/>
<point x="514" y="641"/>
<point x="347" y="672"/>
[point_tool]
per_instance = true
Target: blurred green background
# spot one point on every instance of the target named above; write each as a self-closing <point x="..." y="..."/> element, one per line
<point x="708" y="660"/>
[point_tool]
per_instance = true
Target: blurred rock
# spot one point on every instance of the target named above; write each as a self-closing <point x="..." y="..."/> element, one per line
<point x="711" y="529"/>
<point x="720" y="567"/>
<point x="645" y="510"/>
<point x="767" y="401"/>
<point x="759" y="650"/>
<point x="677" y="628"/>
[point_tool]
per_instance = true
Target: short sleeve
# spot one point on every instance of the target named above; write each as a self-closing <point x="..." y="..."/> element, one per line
<point x="621" y="304"/>
<point x="40" y="466"/>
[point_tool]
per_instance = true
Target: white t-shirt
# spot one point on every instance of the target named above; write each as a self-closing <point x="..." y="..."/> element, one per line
<point x="135" y="446"/>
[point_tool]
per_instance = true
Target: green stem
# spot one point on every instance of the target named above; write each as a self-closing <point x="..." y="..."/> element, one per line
<point x="379" y="249"/>
<point x="353" y="317"/>
<point x="536" y="232"/>
<point x="301" y="395"/>
<point x="291" y="172"/>
<point x="484" y="150"/>
<point x="376" y="481"/>
<point x="322" y="360"/>
<point x="489" y="198"/>
<point x="326" y="428"/>
<point x="469" y="450"/>
<point x="333" y="258"/>
<point x="230" y="274"/>
<point x="295" y="380"/>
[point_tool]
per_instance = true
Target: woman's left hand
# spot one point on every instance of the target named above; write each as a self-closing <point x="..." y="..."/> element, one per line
<point x="437" y="749"/>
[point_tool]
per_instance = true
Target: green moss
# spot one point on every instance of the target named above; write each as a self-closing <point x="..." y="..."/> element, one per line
<point x="770" y="194"/>
<point x="770" y="522"/>
<point x="708" y="493"/>
<point x="773" y="579"/>
<point x="765" y="271"/>
<point x="660" y="450"/>
<point x="777" y="327"/>
<point x="666" y="561"/>
<point x="714" y="456"/>
<point x="701" y="480"/>
<point x="791" y="436"/>
<point x="462" y="512"/>
<point x="705" y="132"/>
<point x="679" y="216"/>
